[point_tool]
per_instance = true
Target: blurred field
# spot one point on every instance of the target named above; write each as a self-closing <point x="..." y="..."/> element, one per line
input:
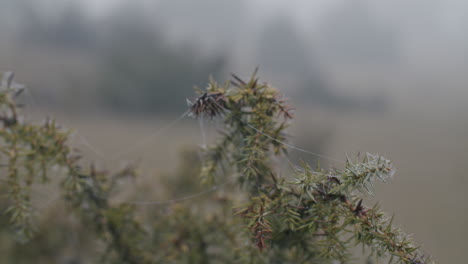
<point x="427" y="194"/>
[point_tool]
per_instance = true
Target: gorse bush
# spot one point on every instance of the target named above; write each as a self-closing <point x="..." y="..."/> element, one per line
<point x="249" y="213"/>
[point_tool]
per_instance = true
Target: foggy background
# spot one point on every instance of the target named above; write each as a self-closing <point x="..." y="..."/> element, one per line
<point x="387" y="77"/>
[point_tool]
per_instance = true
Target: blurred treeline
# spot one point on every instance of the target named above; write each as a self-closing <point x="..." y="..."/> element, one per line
<point x="145" y="56"/>
<point x="136" y="68"/>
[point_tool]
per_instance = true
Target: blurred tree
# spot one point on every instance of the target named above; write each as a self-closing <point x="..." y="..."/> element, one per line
<point x="350" y="33"/>
<point x="213" y="23"/>
<point x="141" y="71"/>
<point x="126" y="62"/>
<point x="284" y="54"/>
<point x="282" y="51"/>
<point x="68" y="28"/>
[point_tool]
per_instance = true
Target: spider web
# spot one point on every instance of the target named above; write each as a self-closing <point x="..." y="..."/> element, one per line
<point x="138" y="145"/>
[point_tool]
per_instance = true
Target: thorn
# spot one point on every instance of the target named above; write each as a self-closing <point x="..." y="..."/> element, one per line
<point x="238" y="79"/>
<point x="273" y="178"/>
<point x="7" y="79"/>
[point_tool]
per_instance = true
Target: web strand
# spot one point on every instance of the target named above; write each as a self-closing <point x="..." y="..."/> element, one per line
<point x="202" y="131"/>
<point x="125" y="151"/>
<point x="292" y="146"/>
<point x="86" y="143"/>
<point x="280" y="141"/>
<point x="177" y="200"/>
<point x="147" y="139"/>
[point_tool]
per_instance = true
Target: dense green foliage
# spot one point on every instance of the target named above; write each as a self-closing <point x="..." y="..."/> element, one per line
<point x="259" y="216"/>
